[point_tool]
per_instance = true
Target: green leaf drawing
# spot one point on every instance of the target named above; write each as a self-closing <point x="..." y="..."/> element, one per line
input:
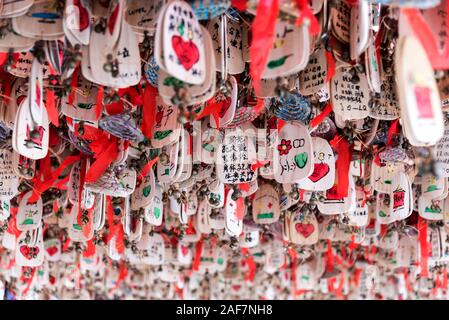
<point x="301" y="160"/>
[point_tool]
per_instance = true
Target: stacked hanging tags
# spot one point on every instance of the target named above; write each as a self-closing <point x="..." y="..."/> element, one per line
<point x="277" y="149"/>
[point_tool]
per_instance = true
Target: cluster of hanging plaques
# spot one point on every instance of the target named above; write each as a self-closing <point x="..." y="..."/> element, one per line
<point x="218" y="149"/>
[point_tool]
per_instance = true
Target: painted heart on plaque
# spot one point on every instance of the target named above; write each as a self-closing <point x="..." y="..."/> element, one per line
<point x="157" y="213"/>
<point x="146" y="191"/>
<point x="305" y="229"/>
<point x="320" y="170"/>
<point x="52" y="250"/>
<point x="184" y="250"/>
<point x="29" y="252"/>
<point x="186" y="51"/>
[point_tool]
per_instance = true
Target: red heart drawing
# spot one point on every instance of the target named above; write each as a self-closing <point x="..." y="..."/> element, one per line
<point x="52" y="250"/>
<point x="305" y="229"/>
<point x="184" y="250"/>
<point x="28" y="252"/>
<point x="320" y="170"/>
<point x="186" y="51"/>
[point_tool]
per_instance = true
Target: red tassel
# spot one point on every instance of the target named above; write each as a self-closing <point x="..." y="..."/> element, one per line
<point x="263" y="36"/>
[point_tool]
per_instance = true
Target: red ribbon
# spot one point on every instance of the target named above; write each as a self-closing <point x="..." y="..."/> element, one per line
<point x="330" y="257"/>
<point x="323" y="114"/>
<point x="293" y="257"/>
<point x="12" y="224"/>
<point x="74" y="85"/>
<point x="330" y="66"/>
<point x="103" y="160"/>
<point x="149" y="110"/>
<point x="240" y="210"/>
<point x="28" y="280"/>
<point x="66" y="245"/>
<point x="90" y="249"/>
<point x="41" y="186"/>
<point x="407" y="281"/>
<point x="424" y="246"/>
<point x="257" y="165"/>
<point x="80" y="192"/>
<point x="99" y="106"/>
<point x="249" y="261"/>
<point x="197" y="257"/>
<point x="123" y="272"/>
<point x="306" y="13"/>
<point x="53" y="113"/>
<point x="427" y="38"/>
<point x="240" y="4"/>
<point x="6" y="84"/>
<point x="281" y="124"/>
<point x="213" y="108"/>
<point x="148" y="166"/>
<point x="392" y="132"/>
<point x="263" y="36"/>
<point x="344" y="151"/>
